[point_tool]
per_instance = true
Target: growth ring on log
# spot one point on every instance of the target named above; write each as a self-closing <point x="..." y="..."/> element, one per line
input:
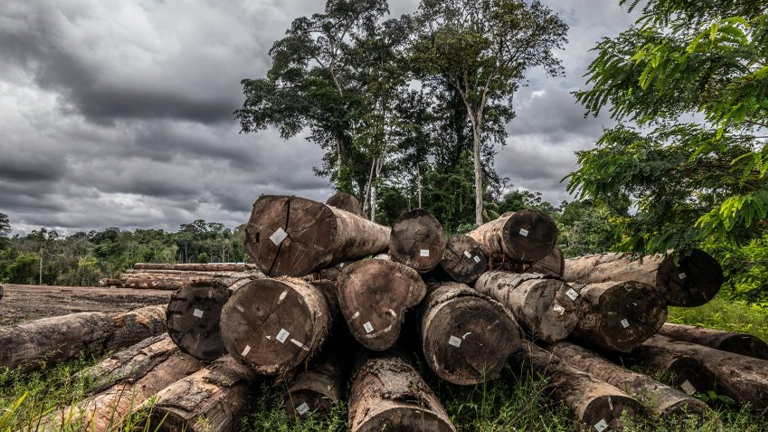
<point x="193" y="317"/>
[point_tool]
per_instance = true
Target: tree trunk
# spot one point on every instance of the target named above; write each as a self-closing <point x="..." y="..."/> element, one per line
<point x="683" y="371"/>
<point x="596" y="403"/>
<point x="57" y="339"/>
<point x="463" y="259"/>
<point x="548" y="309"/>
<point x="273" y="325"/>
<point x="466" y="336"/>
<point x="524" y="236"/>
<point x="388" y="394"/>
<point x="417" y="240"/>
<point x="739" y="343"/>
<point x="221" y="267"/>
<point x="476" y="148"/>
<point x="620" y="315"/>
<point x="295" y="236"/>
<point x="663" y="400"/>
<point x="346" y="202"/>
<point x="694" y="282"/>
<point x="319" y="388"/>
<point x="374" y="295"/>
<point x="418" y="183"/>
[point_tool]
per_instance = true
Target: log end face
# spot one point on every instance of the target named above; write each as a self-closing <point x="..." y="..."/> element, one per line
<point x="463" y="259"/>
<point x="607" y="410"/>
<point x="346" y="202"/>
<point x="529" y="235"/>
<point x="695" y="282"/>
<point x="748" y="345"/>
<point x="301" y="403"/>
<point x="193" y="319"/>
<point x="417" y="240"/>
<point x="406" y="419"/>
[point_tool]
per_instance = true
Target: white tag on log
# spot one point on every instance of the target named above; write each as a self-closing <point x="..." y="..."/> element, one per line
<point x="467" y="254"/>
<point x="559" y="309"/>
<point x="688" y="387"/>
<point x="282" y="335"/>
<point x="477" y="259"/>
<point x="682" y="276"/>
<point x="368" y="327"/>
<point x="523" y="232"/>
<point x="278" y="236"/>
<point x="572" y="294"/>
<point x="246" y="350"/>
<point x="198" y="313"/>
<point x="424" y="252"/>
<point x="624" y="323"/>
<point x="302" y="409"/>
<point x="453" y="340"/>
<point x="601" y="425"/>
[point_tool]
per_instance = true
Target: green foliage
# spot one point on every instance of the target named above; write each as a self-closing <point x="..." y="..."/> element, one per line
<point x="729" y="315"/>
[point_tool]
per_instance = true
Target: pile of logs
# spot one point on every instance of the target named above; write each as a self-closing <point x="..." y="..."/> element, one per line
<point x="341" y="308"/>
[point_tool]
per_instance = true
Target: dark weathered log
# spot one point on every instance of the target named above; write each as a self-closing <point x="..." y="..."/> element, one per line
<point x="319" y="387"/>
<point x="619" y="315"/>
<point x="596" y="403"/>
<point x="417" y="240"/>
<point x="739" y="343"/>
<point x="374" y="295"/>
<point x="743" y="378"/>
<point x="53" y="340"/>
<point x="466" y="336"/>
<point x="296" y="236"/>
<point x="194" y="316"/>
<point x="388" y="394"/>
<point x="2" y="291"/>
<point x="683" y="371"/>
<point x="524" y="236"/>
<point x="463" y="259"/>
<point x="273" y="325"/>
<point x="347" y="202"/>
<point x="548" y="309"/>
<point x="663" y="400"/>
<point x="197" y="267"/>
<point x="693" y="282"/>
<point x="551" y="265"/>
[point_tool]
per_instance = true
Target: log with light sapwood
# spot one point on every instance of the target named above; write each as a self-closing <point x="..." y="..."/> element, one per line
<point x="525" y="236"/>
<point x="273" y="325"/>
<point x="463" y="259"/>
<point x="347" y="202"/>
<point x="374" y="295"/>
<point x="739" y="343"/>
<point x="320" y="387"/>
<point x="110" y="282"/>
<point x="619" y="315"/>
<point x="389" y="394"/>
<point x="682" y="371"/>
<point x="417" y="240"/>
<point x="693" y="282"/>
<point x="743" y="378"/>
<point x="663" y="400"/>
<point x="596" y="403"/>
<point x="548" y="309"/>
<point x="193" y="318"/>
<point x="466" y="337"/>
<point x="295" y="236"/>
<point x="197" y="267"/>
<point x="56" y="339"/>
<point x="157" y="283"/>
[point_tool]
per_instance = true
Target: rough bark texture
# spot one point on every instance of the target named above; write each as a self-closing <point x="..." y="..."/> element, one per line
<point x="417" y="240"/>
<point x="693" y="282"/>
<point x="318" y="388"/>
<point x="683" y="371"/>
<point x="158" y="283"/>
<point x="346" y="202"/>
<point x="53" y="340"/>
<point x="466" y="336"/>
<point x="619" y="315"/>
<point x="388" y="394"/>
<point x="739" y="343"/>
<point x="595" y="402"/>
<point x="218" y="267"/>
<point x="524" y="236"/>
<point x="374" y="295"/>
<point x="463" y="259"/>
<point x="296" y="236"/>
<point x="2" y="291"/>
<point x="273" y="325"/>
<point x="193" y="319"/>
<point x="541" y="305"/>
<point x="660" y="398"/>
<point x="110" y="282"/>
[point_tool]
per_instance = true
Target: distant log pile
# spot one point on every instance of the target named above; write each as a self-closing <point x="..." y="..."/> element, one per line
<point x="175" y="276"/>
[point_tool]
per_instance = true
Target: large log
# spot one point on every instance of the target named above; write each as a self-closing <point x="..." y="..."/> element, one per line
<point x="548" y="309"/>
<point x="596" y="403"/>
<point x="739" y="343"/>
<point x="551" y="265"/>
<point x="318" y="388"/>
<point x="295" y="236"/>
<point x="197" y="267"/>
<point x="466" y="336"/>
<point x="273" y="325"/>
<point x="374" y="295"/>
<point x="463" y="259"/>
<point x="53" y="340"/>
<point x="619" y="315"/>
<point x="346" y="202"/>
<point x="193" y="318"/>
<point x="417" y="240"/>
<point x="693" y="282"/>
<point x="663" y="400"/>
<point x="682" y="371"/>
<point x="524" y="236"/>
<point x="388" y="394"/>
<point x="2" y="291"/>
<point x="158" y="283"/>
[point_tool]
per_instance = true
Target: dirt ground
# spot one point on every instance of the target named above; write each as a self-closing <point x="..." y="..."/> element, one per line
<point x="28" y="302"/>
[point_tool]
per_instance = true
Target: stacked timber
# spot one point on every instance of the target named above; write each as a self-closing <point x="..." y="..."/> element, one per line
<point x="176" y="276"/>
<point x="739" y="343"/>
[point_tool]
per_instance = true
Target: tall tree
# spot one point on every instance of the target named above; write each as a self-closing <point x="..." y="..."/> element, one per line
<point x="5" y="228"/>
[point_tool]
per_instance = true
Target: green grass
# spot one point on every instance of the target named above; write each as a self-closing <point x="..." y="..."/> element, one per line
<point x="725" y="314"/>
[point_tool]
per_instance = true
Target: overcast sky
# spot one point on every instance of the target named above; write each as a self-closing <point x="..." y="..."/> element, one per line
<point x="119" y="112"/>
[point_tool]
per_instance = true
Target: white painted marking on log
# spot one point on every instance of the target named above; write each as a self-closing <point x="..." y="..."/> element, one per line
<point x="610" y="403"/>
<point x="601" y="425"/>
<point x="682" y="276"/>
<point x="282" y="335"/>
<point x="477" y="259"/>
<point x="240" y="308"/>
<point x="688" y="387"/>
<point x="467" y="254"/>
<point x="523" y="232"/>
<point x="340" y="266"/>
<point x="391" y="312"/>
<point x="466" y="334"/>
<point x="453" y="340"/>
<point x="572" y="294"/>
<point x="198" y="313"/>
<point x="282" y="296"/>
<point x="424" y="252"/>
<point x="368" y="327"/>
<point x="624" y="323"/>
<point x="302" y="409"/>
<point x="278" y="236"/>
<point x="357" y="314"/>
<point x="559" y="309"/>
<point x="299" y="344"/>
<point x="246" y="350"/>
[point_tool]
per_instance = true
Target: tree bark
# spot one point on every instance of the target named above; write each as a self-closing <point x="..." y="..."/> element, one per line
<point x="478" y="166"/>
<point x="318" y="388"/>
<point x="374" y="295"/>
<point x="693" y="282"/>
<point x="295" y="236"/>
<point x="739" y="343"/>
<point x="346" y="202"/>
<point x="683" y="371"/>
<point x="548" y="309"/>
<point x="193" y="319"/>
<point x="525" y="236"/>
<point x="216" y="267"/>
<point x="2" y="291"/>
<point x="466" y="336"/>
<point x="388" y="394"/>
<point x="110" y="282"/>
<point x="620" y="315"/>
<point x="463" y="259"/>
<point x="417" y="240"/>
<point x="663" y="400"/>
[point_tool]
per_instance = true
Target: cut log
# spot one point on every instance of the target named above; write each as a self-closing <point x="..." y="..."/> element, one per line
<point x="318" y="388"/>
<point x="466" y="336"/>
<point x="548" y="309"/>
<point x="346" y="202"/>
<point x="157" y="283"/>
<point x="663" y="400"/>
<point x="552" y="265"/>
<point x="619" y="315"/>
<point x="693" y="282"/>
<point x="2" y="291"/>
<point x="682" y="371"/>
<point x="110" y="282"/>
<point x="463" y="259"/>
<point x="194" y="316"/>
<point x="388" y="394"/>
<point x="739" y="343"/>
<point x="525" y="236"/>
<point x="53" y="340"/>
<point x="374" y="295"/>
<point x="216" y="267"/>
<point x="273" y="325"/>
<point x="417" y="240"/>
<point x="596" y="403"/>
